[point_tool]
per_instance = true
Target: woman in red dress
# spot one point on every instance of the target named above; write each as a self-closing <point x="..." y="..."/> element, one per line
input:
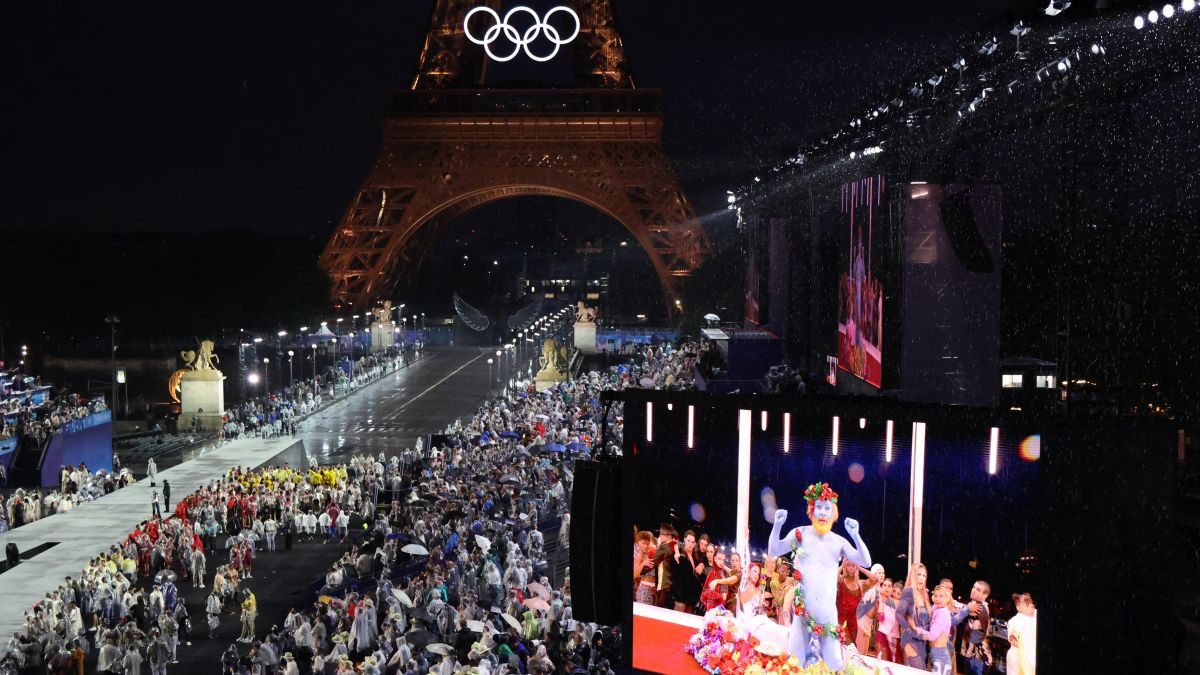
<point x="849" y="593"/>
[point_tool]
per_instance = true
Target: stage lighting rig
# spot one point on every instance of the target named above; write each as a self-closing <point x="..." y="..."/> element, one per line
<point x="934" y="82"/>
<point x="1057" y="7"/>
<point x="961" y="66"/>
<point x="988" y="48"/>
<point x="1019" y="29"/>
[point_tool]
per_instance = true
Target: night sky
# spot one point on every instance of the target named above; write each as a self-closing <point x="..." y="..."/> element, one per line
<point x="191" y="118"/>
<point x="195" y="117"/>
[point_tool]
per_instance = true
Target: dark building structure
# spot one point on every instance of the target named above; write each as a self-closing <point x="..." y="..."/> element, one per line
<point x="1032" y="200"/>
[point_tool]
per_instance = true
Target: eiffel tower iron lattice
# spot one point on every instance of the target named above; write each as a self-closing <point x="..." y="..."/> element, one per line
<point x="451" y="144"/>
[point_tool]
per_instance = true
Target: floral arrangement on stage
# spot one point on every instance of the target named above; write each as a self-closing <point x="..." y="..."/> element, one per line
<point x="723" y="648"/>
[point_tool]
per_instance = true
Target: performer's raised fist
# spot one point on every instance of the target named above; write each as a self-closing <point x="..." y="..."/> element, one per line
<point x="852" y="527"/>
<point x="780" y="516"/>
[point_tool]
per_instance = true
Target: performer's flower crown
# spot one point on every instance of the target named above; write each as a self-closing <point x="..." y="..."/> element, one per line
<point x="819" y="492"/>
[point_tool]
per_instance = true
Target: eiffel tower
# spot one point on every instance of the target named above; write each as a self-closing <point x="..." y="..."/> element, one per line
<point x="451" y="144"/>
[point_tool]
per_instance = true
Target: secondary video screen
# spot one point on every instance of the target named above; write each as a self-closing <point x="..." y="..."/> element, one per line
<point x="860" y="295"/>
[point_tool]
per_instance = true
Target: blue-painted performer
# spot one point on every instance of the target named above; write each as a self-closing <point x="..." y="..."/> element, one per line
<point x="817" y="553"/>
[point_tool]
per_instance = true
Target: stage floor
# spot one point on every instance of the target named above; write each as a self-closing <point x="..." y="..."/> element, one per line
<point x="659" y="636"/>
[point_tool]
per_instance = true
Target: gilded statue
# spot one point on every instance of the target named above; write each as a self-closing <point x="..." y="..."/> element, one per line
<point x="201" y="359"/>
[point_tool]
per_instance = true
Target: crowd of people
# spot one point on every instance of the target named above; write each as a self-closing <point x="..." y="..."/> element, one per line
<point x="902" y="621"/>
<point x="456" y="574"/>
<point x="278" y="413"/>
<point x="128" y="595"/>
<point x="462" y="568"/>
<point x="23" y="415"/>
<point x="77" y="485"/>
<point x="657" y="366"/>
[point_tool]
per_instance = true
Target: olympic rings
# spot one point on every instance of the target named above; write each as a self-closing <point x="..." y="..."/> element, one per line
<point x="520" y="41"/>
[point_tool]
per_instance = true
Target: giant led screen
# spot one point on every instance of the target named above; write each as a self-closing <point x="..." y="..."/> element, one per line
<point x="709" y="483"/>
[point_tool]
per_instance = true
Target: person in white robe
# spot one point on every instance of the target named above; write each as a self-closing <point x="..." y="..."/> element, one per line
<point x="132" y="661"/>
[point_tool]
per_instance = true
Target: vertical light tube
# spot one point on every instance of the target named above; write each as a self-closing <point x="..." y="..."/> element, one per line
<point x="837" y="423"/>
<point x="787" y="431"/>
<point x="916" y="493"/>
<point x="691" y="426"/>
<point x="763" y="420"/>
<point x="993" y="449"/>
<point x="745" y="420"/>
<point x="649" y="422"/>
<point x="887" y="441"/>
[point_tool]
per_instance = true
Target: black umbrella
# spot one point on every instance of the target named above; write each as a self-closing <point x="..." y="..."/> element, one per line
<point x="419" y="638"/>
<point x="420" y="614"/>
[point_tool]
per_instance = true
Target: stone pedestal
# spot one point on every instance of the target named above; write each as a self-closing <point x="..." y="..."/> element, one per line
<point x="546" y="378"/>
<point x="585" y="338"/>
<point x="202" y="396"/>
<point x="383" y="335"/>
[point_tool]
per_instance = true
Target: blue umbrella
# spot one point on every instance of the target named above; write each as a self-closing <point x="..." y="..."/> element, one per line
<point x="577" y="447"/>
<point x="555" y="447"/>
<point x="509" y="434"/>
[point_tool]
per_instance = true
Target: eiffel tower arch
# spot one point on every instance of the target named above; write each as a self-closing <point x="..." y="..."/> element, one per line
<point x="451" y="145"/>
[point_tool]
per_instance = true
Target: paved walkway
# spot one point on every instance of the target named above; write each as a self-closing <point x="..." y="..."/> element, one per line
<point x="92" y="527"/>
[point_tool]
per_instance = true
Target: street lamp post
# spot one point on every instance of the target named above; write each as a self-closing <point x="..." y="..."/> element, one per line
<point x="267" y="377"/>
<point x="314" y="359"/>
<point x="333" y="385"/>
<point x="279" y="354"/>
<point x="291" y="376"/>
<point x="112" y="320"/>
<point x="489" y="375"/>
<point x="354" y="336"/>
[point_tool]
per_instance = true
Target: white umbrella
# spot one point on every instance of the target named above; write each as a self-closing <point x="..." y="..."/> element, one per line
<point x="483" y="541"/>
<point x="475" y="626"/>
<point x="415" y="549"/>
<point x="440" y="648"/>
<point x="402" y="597"/>
<point x="511" y="620"/>
<point x="711" y="317"/>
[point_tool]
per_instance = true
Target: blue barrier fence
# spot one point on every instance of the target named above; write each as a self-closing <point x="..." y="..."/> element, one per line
<point x="8" y="449"/>
<point x="87" y="440"/>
